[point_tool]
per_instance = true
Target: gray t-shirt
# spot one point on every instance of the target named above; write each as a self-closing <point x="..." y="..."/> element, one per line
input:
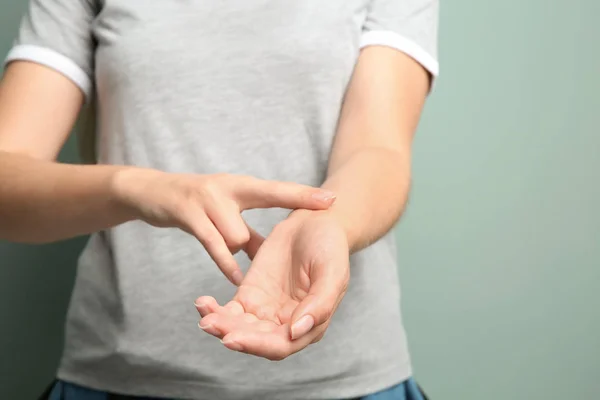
<point x="251" y="87"/>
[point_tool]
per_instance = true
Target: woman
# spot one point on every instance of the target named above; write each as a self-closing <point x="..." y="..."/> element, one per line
<point x="205" y="110"/>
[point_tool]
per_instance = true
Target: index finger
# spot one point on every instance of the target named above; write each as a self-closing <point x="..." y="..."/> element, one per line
<point x="259" y="193"/>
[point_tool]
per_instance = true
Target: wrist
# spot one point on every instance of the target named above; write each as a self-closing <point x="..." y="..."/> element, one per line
<point x="332" y="215"/>
<point x="124" y="186"/>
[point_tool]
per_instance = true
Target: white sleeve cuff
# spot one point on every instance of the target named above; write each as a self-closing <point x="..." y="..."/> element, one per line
<point x="399" y="42"/>
<point x="54" y="60"/>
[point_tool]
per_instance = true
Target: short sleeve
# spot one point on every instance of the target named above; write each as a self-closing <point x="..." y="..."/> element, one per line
<point x="58" y="34"/>
<point x="410" y="26"/>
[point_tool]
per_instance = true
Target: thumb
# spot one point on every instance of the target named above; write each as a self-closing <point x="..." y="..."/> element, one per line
<point x="317" y="307"/>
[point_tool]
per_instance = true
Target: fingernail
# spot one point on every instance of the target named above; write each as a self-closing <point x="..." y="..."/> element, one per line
<point x="230" y="344"/>
<point x="201" y="308"/>
<point x="324" y="195"/>
<point x="302" y="326"/>
<point x="204" y="327"/>
<point x="209" y="328"/>
<point x="237" y="277"/>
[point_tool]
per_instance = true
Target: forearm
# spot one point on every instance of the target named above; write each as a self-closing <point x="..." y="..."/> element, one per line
<point x="43" y="201"/>
<point x="372" y="188"/>
<point x="369" y="166"/>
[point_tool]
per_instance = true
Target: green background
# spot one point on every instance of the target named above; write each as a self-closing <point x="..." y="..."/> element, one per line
<point x="500" y="247"/>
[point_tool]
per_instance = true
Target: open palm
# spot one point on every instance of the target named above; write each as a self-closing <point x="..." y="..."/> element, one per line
<point x="298" y="276"/>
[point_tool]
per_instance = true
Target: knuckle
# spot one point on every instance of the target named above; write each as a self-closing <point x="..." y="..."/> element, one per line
<point x="278" y="355"/>
<point x="208" y="191"/>
<point x="209" y="240"/>
<point x="213" y="185"/>
<point x="238" y="238"/>
<point x="227" y="265"/>
<point x="327" y="314"/>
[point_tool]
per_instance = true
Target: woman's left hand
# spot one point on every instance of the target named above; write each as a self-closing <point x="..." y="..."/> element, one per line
<point x="297" y="279"/>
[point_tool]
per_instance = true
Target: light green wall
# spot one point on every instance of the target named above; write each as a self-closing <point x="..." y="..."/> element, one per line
<point x="35" y="284"/>
<point x="500" y="248"/>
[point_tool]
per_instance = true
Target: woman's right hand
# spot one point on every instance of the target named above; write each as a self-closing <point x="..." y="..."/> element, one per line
<point x="209" y="206"/>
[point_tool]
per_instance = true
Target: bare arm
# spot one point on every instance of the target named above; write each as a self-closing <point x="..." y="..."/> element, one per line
<point x="42" y="200"/>
<point x="370" y="173"/>
<point x="369" y="168"/>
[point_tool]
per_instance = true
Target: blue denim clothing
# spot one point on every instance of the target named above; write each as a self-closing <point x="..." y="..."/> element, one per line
<point x="407" y="390"/>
